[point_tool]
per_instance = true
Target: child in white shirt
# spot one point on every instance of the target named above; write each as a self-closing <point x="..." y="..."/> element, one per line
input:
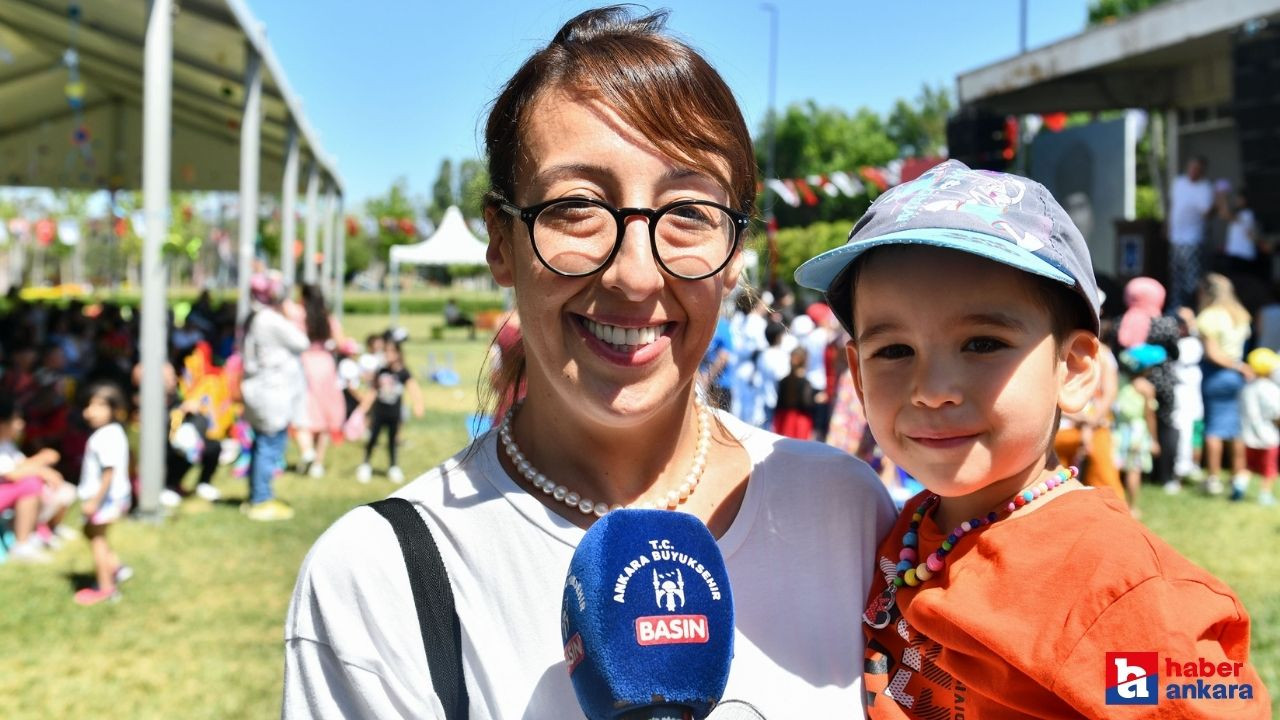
<point x="1259" y="411"/>
<point x="105" y="491"/>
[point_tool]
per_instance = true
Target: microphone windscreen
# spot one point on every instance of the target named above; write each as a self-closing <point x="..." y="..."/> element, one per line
<point x="647" y="616"/>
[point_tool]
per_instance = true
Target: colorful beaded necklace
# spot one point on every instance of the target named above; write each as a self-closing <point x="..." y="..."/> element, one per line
<point x="910" y="572"/>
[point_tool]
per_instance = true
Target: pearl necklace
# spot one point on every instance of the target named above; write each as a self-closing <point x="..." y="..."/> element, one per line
<point x="587" y="506"/>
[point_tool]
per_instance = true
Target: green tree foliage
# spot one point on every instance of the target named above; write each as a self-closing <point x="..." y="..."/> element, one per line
<point x="920" y="128"/>
<point x="816" y="140"/>
<point x="1105" y="11"/>
<point x="473" y="183"/>
<point x="442" y="194"/>
<point x="797" y="244"/>
<point x="390" y="211"/>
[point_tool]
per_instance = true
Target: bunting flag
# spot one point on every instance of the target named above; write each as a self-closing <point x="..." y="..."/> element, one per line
<point x="806" y="192"/>
<point x="875" y="176"/>
<point x="812" y="189"/>
<point x="821" y="183"/>
<point x="841" y="180"/>
<point x="784" y="193"/>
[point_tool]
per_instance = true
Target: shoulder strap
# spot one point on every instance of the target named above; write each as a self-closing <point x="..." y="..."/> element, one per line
<point x="433" y="598"/>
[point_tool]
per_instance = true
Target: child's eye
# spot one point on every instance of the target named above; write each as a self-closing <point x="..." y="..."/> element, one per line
<point x="984" y="345"/>
<point x="893" y="352"/>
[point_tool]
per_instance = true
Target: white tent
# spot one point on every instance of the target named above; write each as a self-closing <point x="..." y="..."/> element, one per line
<point x="451" y="244"/>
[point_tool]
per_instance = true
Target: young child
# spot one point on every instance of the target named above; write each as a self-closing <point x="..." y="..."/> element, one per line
<point x="1259" y="411"/>
<point x="1135" y="419"/>
<point x="793" y="416"/>
<point x="1008" y="590"/>
<point x="384" y="406"/>
<point x="30" y="486"/>
<point x="1188" y="414"/>
<point x="105" y="492"/>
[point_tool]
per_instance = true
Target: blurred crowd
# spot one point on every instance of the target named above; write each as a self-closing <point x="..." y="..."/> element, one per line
<point x="69" y="392"/>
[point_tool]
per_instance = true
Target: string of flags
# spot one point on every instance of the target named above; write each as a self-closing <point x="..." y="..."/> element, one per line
<point x="812" y="189"/>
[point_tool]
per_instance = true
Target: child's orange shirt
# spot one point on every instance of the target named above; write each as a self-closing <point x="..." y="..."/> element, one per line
<point x="1020" y="621"/>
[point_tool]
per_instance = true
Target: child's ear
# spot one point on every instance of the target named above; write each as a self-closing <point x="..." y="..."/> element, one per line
<point x="499" y="256"/>
<point x="851" y="353"/>
<point x="1079" y="371"/>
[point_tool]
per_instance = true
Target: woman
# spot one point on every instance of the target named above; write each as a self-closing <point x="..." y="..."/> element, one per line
<point x="323" y="409"/>
<point x="614" y="318"/>
<point x="272" y="389"/>
<point x="1224" y="327"/>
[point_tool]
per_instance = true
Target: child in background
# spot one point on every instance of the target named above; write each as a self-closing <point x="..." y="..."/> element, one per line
<point x="105" y="492"/>
<point x="1259" y="411"/>
<point x="373" y="357"/>
<point x="972" y="304"/>
<point x="775" y="364"/>
<point x="793" y="417"/>
<point x="1135" y="418"/>
<point x="1188" y="413"/>
<point x="349" y="375"/>
<point x="385" y="408"/>
<point x="29" y="485"/>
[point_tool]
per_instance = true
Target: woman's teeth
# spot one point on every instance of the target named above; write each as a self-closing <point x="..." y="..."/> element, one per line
<point x="622" y="338"/>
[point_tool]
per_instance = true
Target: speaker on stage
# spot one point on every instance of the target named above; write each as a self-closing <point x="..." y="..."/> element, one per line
<point x="981" y="139"/>
<point x="1256" y="107"/>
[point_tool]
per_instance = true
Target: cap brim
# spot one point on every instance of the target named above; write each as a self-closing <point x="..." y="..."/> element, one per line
<point x="819" y="272"/>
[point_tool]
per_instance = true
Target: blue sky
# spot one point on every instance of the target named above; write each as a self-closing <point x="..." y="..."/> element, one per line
<point x="396" y="86"/>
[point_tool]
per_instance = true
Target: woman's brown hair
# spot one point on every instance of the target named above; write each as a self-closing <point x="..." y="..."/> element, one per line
<point x="657" y="84"/>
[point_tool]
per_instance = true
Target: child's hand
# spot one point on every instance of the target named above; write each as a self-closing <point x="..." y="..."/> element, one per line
<point x="89" y="508"/>
<point x="1155" y="448"/>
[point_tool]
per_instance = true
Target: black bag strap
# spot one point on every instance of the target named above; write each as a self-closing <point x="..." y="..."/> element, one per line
<point x="433" y="598"/>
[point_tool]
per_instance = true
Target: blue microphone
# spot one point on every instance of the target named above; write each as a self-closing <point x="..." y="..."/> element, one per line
<point x="647" y="618"/>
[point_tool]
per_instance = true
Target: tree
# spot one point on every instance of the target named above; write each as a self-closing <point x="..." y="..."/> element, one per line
<point x="920" y="128"/>
<point x="395" y="216"/>
<point x="813" y="140"/>
<point x="442" y="194"/>
<point x="473" y="183"/>
<point x="1105" y="11"/>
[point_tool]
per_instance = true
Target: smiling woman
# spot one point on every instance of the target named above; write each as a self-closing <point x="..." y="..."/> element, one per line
<point x="623" y="182"/>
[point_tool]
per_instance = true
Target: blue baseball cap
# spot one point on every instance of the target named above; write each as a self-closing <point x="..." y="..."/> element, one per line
<point x="998" y="216"/>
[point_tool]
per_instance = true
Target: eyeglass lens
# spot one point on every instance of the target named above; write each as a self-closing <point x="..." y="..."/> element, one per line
<point x="575" y="237"/>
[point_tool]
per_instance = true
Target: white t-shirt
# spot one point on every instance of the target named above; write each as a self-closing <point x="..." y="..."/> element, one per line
<point x="10" y="458"/>
<point x="108" y="447"/>
<point x="1259" y="409"/>
<point x="1188" y="203"/>
<point x="1239" y="244"/>
<point x="799" y="553"/>
<point x="1188" y="402"/>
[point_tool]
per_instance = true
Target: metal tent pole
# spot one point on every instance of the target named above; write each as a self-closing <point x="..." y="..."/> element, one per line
<point x="312" y="220"/>
<point x="289" y="209"/>
<point x="250" y="142"/>
<point x="157" y="121"/>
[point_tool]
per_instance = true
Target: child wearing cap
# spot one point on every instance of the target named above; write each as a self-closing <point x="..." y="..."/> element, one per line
<point x="1135" y="418"/>
<point x="973" y="311"/>
<point x="1259" y="411"/>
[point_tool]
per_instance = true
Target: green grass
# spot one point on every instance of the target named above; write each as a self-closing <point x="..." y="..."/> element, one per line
<point x="198" y="633"/>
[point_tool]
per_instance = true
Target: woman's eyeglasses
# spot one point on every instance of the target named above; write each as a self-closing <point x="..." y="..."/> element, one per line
<point x="691" y="239"/>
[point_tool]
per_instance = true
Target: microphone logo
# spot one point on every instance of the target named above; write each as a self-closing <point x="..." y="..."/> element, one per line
<point x="668" y="586"/>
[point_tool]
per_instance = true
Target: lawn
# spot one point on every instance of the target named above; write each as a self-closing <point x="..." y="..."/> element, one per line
<point x="198" y="633"/>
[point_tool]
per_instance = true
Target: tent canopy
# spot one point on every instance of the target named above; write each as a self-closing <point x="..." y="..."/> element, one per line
<point x="38" y="126"/>
<point x="451" y="244"/>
